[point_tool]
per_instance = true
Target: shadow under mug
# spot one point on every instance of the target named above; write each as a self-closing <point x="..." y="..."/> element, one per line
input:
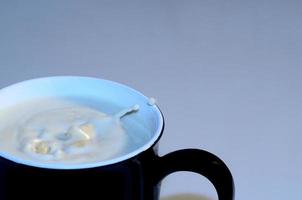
<point x="134" y="176"/>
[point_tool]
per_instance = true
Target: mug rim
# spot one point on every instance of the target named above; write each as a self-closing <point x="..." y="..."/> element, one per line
<point x="151" y="142"/>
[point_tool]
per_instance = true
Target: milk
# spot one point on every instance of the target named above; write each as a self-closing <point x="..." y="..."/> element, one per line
<point x="70" y="130"/>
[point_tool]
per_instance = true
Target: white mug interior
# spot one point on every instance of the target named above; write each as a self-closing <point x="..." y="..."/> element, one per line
<point x="88" y="87"/>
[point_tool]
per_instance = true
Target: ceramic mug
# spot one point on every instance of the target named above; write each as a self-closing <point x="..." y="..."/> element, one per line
<point x="134" y="176"/>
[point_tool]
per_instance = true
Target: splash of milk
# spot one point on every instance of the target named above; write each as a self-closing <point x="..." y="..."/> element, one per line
<point x="64" y="132"/>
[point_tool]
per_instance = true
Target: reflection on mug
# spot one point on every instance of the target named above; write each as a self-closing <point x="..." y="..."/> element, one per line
<point x="186" y="197"/>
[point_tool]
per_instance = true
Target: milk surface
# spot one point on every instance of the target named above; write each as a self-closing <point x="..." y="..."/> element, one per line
<point x="54" y="130"/>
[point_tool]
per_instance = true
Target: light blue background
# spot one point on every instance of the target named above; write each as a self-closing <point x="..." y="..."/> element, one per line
<point x="227" y="75"/>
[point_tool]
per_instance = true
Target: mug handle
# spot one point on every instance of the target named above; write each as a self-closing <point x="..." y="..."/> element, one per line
<point x="203" y="163"/>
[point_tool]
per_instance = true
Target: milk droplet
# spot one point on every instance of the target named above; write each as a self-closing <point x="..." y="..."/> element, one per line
<point x="127" y="111"/>
<point x="152" y="101"/>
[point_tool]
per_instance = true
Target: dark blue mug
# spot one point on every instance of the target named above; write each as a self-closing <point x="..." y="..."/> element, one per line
<point x="134" y="176"/>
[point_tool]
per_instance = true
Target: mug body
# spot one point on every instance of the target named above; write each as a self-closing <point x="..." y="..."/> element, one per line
<point x="134" y="175"/>
<point x="131" y="179"/>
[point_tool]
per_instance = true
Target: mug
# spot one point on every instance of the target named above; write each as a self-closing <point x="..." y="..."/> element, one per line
<point x="134" y="176"/>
